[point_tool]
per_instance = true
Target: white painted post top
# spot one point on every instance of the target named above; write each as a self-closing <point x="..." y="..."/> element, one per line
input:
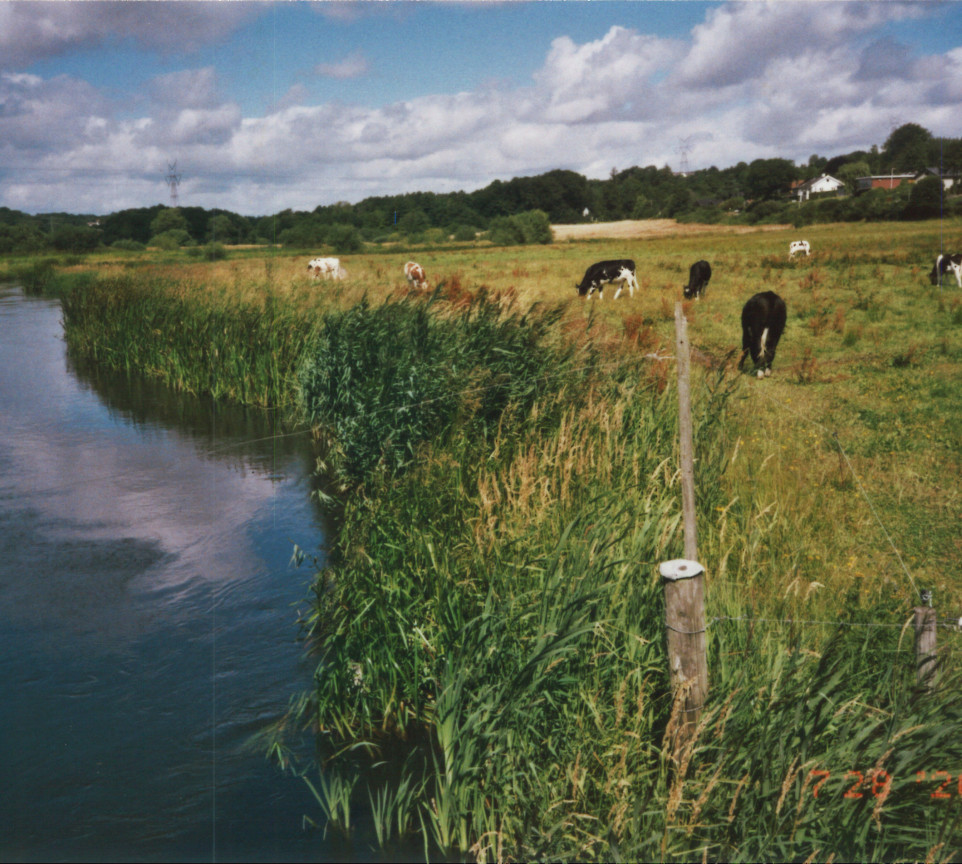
<point x="680" y="568"/>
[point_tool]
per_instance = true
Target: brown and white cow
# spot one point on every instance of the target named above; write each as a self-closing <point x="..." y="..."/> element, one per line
<point x="328" y="268"/>
<point x="414" y="273"/>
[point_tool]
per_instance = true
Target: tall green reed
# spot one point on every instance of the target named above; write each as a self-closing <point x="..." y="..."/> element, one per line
<point x="247" y="353"/>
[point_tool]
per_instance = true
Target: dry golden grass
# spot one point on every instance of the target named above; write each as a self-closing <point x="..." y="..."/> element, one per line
<point x="643" y="229"/>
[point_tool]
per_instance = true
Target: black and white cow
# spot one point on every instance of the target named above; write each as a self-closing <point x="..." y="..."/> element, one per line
<point x="620" y="272"/>
<point x="797" y="246"/>
<point x="943" y="264"/>
<point x="698" y="278"/>
<point x="763" y="322"/>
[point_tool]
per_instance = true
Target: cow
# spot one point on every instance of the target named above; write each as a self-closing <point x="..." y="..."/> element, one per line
<point x="797" y="246"/>
<point x="414" y="273"/>
<point x="620" y="272"/>
<point x="329" y="268"/>
<point x="698" y="278"/>
<point x="943" y="264"/>
<point x="763" y="322"/>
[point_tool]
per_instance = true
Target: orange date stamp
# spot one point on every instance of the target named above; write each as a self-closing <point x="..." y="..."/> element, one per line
<point x="878" y="783"/>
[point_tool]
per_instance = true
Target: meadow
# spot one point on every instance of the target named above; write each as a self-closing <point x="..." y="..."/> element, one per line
<point x="502" y="455"/>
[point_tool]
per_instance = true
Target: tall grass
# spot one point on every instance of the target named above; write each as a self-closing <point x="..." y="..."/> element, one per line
<point x="248" y="353"/>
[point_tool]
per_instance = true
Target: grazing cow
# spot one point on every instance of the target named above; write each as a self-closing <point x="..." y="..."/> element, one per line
<point x="763" y="321"/>
<point x="621" y="272"/>
<point x="943" y="264"/>
<point x="414" y="273"/>
<point x="797" y="246"/>
<point x="329" y="268"/>
<point x="698" y="278"/>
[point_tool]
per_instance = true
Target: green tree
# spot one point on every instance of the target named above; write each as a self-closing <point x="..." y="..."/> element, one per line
<point x="907" y="148"/>
<point x="768" y="178"/>
<point x="850" y="171"/>
<point x="221" y="229"/>
<point x="925" y="199"/>
<point x="168" y="219"/>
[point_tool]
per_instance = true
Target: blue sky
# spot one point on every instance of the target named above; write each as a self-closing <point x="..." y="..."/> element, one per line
<point x="273" y="105"/>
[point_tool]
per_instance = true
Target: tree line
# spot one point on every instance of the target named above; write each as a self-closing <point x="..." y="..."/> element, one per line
<point x="521" y="210"/>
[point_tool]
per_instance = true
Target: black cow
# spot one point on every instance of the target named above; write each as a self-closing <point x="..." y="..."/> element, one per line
<point x="603" y="273"/>
<point x="763" y="322"/>
<point x="943" y="264"/>
<point x="698" y="278"/>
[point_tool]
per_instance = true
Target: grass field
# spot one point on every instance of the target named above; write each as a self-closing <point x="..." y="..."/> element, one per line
<point x="506" y="453"/>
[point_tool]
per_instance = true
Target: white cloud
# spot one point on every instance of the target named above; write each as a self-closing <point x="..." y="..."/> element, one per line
<point x="598" y="79"/>
<point x="739" y="40"/>
<point x="754" y="81"/>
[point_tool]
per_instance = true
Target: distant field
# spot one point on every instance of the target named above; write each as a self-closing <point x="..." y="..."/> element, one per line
<point x="641" y="229"/>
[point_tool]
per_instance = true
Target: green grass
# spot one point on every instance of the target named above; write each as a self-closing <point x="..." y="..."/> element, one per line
<point x="490" y="635"/>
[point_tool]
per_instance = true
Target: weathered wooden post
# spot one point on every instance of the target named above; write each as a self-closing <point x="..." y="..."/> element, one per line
<point x="684" y="583"/>
<point x="684" y="579"/>
<point x="926" y="666"/>
<point x="685" y="447"/>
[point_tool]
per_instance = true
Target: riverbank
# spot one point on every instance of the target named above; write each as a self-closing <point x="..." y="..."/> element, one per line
<point x="491" y="618"/>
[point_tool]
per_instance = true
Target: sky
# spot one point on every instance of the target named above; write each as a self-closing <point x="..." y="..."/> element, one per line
<point x="267" y="106"/>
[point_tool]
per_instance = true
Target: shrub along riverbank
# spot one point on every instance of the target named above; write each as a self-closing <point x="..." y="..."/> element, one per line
<point x="490" y="631"/>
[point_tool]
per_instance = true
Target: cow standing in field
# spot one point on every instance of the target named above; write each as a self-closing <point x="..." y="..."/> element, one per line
<point x="698" y="278"/>
<point x="620" y="272"/>
<point x="763" y="322"/>
<point x="414" y="273"/>
<point x="943" y="264"/>
<point x="328" y="268"/>
<point x="797" y="246"/>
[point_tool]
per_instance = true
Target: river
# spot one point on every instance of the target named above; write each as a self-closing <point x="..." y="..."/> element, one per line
<point x="148" y="614"/>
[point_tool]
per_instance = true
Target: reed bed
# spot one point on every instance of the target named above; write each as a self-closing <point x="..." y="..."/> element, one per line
<point x="491" y="676"/>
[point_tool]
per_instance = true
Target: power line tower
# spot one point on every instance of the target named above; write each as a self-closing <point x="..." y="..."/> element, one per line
<point x="684" y="147"/>
<point x="172" y="179"/>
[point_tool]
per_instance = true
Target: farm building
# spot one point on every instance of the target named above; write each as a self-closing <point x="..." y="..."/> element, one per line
<point x="883" y="181"/>
<point x="823" y="185"/>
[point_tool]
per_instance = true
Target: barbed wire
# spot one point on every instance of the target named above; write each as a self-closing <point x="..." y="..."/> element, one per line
<point x="949" y="623"/>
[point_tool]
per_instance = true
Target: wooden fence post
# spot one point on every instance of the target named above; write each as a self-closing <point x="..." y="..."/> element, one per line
<point x="684" y="579"/>
<point x="685" y="447"/>
<point x="926" y="665"/>
<point x="684" y="583"/>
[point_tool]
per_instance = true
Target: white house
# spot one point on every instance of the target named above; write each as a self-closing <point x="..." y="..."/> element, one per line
<point x="948" y="178"/>
<point x="818" y="185"/>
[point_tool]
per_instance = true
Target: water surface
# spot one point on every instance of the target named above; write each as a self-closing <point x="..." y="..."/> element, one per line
<point x="147" y="613"/>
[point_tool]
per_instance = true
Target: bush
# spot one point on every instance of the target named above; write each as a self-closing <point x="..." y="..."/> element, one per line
<point x="532" y="226"/>
<point x="128" y="245"/>
<point x="75" y="238"/>
<point x="215" y="252"/>
<point x="925" y="199"/>
<point x="345" y="239"/>
<point x="464" y="233"/>
<point x="170" y="240"/>
<point x="505" y="231"/>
